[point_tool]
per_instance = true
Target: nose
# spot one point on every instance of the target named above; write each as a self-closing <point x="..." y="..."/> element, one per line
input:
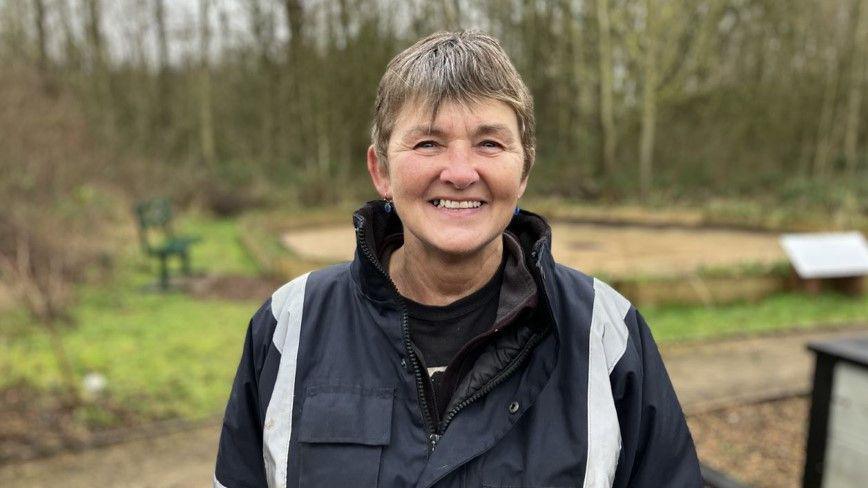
<point x="459" y="171"/>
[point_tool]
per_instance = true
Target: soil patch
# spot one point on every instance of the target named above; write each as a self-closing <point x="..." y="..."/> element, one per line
<point x="612" y="250"/>
<point x="34" y="425"/>
<point x="714" y="374"/>
<point x="761" y="445"/>
<point x="231" y="287"/>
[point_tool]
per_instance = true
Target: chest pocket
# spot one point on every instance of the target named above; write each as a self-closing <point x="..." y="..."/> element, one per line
<point x="341" y="435"/>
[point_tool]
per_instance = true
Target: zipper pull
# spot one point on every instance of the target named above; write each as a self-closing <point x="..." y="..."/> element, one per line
<point x="432" y="442"/>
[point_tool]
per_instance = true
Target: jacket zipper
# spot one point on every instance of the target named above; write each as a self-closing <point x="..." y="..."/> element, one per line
<point x="435" y="432"/>
<point x="430" y="428"/>
<point x="492" y="384"/>
<point x="502" y="376"/>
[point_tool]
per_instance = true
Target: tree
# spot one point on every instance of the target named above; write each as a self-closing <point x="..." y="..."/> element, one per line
<point x="206" y="117"/>
<point x="649" y="97"/>
<point x="163" y="101"/>
<point x="826" y="128"/>
<point x="607" y="117"/>
<point x="858" y="73"/>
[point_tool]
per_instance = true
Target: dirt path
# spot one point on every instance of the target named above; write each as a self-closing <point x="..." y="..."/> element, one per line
<point x="183" y="459"/>
<point x="614" y="250"/>
<point x="715" y="374"/>
<point x="706" y="376"/>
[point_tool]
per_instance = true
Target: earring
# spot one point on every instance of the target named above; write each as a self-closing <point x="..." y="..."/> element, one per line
<point x="517" y="211"/>
<point x="388" y="205"/>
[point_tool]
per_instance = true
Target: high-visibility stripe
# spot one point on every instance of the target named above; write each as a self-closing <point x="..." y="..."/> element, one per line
<point x="216" y="483"/>
<point x="607" y="343"/>
<point x="287" y="305"/>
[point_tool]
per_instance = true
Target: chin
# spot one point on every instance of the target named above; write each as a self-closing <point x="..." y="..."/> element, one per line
<point x="458" y="246"/>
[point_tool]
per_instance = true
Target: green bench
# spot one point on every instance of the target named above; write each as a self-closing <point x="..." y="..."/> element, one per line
<point x="158" y="239"/>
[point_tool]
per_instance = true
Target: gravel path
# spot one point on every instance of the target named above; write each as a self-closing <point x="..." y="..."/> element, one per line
<point x="706" y="376"/>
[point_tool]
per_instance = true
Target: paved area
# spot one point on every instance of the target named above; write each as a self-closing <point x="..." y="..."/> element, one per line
<point x="706" y="376"/>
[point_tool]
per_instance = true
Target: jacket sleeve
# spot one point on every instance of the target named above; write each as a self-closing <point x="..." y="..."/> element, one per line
<point x="656" y="447"/>
<point x="239" y="456"/>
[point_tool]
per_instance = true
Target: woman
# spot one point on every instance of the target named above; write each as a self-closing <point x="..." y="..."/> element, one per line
<point x="452" y="351"/>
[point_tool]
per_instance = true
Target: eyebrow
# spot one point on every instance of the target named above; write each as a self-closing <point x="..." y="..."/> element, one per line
<point x="424" y="130"/>
<point x="494" y="129"/>
<point x="483" y="130"/>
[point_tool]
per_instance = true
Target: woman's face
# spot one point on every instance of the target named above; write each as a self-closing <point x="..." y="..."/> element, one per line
<point x="455" y="183"/>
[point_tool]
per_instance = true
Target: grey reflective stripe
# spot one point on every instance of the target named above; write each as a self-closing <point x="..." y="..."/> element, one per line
<point x="286" y="305"/>
<point x="607" y="343"/>
<point x="216" y="483"/>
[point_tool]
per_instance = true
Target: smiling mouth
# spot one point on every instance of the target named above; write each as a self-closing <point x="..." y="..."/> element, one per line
<point x="456" y="204"/>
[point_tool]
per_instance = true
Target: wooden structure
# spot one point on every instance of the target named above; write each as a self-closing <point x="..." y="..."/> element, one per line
<point x="837" y="448"/>
<point x="837" y="261"/>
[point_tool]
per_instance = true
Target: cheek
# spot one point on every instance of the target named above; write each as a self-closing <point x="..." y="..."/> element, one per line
<point x="506" y="184"/>
<point x="410" y="179"/>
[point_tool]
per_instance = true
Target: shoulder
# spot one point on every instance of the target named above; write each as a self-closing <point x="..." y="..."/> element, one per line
<point x="288" y="295"/>
<point x="576" y="287"/>
<point x="595" y="288"/>
<point x="286" y="303"/>
<point x="605" y="316"/>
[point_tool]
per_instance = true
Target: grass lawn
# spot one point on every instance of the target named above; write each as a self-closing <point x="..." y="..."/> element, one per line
<point x="163" y="354"/>
<point x="777" y="312"/>
<point x="170" y="355"/>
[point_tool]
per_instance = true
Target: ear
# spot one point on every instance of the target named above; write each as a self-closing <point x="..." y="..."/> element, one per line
<point x="379" y="173"/>
<point x="523" y="185"/>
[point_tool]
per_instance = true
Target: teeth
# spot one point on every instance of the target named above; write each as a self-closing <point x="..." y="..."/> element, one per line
<point x="456" y="204"/>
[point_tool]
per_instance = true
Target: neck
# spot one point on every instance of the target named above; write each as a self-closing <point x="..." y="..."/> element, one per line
<point x="432" y="278"/>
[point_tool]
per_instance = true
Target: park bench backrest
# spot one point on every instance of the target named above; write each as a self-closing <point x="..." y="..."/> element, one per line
<point x="154" y="215"/>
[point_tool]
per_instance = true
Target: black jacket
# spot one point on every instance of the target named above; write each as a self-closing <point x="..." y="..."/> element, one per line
<point x="330" y="392"/>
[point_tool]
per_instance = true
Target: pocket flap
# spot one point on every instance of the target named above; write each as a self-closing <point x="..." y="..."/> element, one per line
<point x="345" y="414"/>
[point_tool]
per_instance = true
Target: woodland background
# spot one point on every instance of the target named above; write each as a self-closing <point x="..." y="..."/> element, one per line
<point x="253" y="117"/>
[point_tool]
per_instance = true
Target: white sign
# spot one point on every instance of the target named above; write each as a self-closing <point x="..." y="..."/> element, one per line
<point x="827" y="255"/>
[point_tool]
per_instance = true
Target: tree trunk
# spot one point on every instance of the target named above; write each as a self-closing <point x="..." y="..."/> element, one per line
<point x="295" y="120"/>
<point x="41" y="36"/>
<point x="825" y="130"/>
<point x="71" y="51"/>
<point x="649" y="105"/>
<point x="94" y="33"/>
<point x="607" y="118"/>
<point x="163" y="116"/>
<point x="206" y="119"/>
<point x="262" y="28"/>
<point x="857" y="85"/>
<point x="99" y="76"/>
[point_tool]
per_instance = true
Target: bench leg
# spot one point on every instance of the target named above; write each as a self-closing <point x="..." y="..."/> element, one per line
<point x="164" y="272"/>
<point x="185" y="263"/>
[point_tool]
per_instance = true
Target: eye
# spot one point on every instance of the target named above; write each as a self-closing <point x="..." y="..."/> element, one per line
<point x="490" y="144"/>
<point x="425" y="145"/>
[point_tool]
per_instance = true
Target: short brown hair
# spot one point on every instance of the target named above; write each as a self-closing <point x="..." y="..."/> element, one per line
<point x="463" y="67"/>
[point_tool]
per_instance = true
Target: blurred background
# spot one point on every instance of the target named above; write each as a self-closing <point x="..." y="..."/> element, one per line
<point x="677" y="140"/>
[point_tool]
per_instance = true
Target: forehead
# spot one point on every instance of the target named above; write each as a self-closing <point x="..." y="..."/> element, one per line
<point x="452" y="117"/>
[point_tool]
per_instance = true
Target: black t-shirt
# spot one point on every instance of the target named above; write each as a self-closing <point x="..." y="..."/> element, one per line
<point x="439" y="332"/>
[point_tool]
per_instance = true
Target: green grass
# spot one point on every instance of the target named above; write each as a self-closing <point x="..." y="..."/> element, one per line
<point x="173" y="356"/>
<point x="778" y="312"/>
<point x="163" y="354"/>
<point x="219" y="251"/>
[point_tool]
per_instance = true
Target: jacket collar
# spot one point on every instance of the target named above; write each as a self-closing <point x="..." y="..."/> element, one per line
<point x="374" y="225"/>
